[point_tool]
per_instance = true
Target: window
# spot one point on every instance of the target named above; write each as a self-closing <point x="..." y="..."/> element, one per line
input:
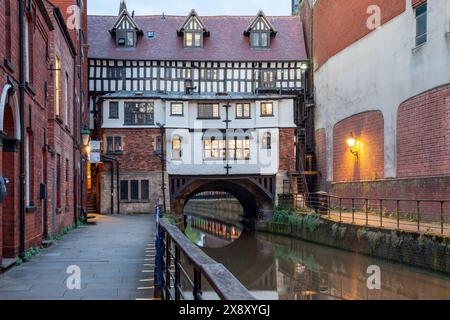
<point x="158" y="145"/>
<point x="239" y="149"/>
<point x="243" y="111"/>
<point x="27" y="50"/>
<point x="115" y="72"/>
<point x="126" y="38"/>
<point x="208" y="111"/>
<point x="266" y="109"/>
<point x="114" y="110"/>
<point x="176" y="147"/>
<point x="421" y="24"/>
<point x="193" y="40"/>
<point x="209" y="74"/>
<point x="214" y="149"/>
<point x="168" y="73"/>
<point x="267" y="79"/>
<point x="144" y="190"/>
<point x="267" y="141"/>
<point x="135" y="190"/>
<point x="114" y="144"/>
<point x="66" y="99"/>
<point x="139" y="113"/>
<point x="176" y="109"/>
<point x="260" y="39"/>
<point x="124" y="190"/>
<point x="57" y="86"/>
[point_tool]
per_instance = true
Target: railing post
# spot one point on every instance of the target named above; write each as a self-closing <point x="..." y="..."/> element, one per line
<point x="381" y="212"/>
<point x="367" y="212"/>
<point x="167" y="282"/>
<point x="418" y="215"/>
<point x="340" y="209"/>
<point x="442" y="217"/>
<point x="158" y="257"/>
<point x="353" y="210"/>
<point x="177" y="273"/>
<point x="398" y="214"/>
<point x="197" y="284"/>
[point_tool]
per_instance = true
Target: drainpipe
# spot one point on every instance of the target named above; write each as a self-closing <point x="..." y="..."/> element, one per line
<point x="22" y="128"/>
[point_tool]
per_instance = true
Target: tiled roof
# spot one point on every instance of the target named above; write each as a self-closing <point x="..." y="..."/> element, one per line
<point x="225" y="43"/>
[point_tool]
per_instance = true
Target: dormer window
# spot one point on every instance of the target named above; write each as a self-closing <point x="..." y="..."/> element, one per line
<point x="125" y="29"/>
<point x="193" y="31"/>
<point x="260" y="32"/>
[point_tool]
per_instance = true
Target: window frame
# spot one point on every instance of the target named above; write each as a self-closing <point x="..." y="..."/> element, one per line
<point x="266" y="114"/>
<point x="266" y="143"/>
<point x="172" y="114"/>
<point x="418" y="41"/>
<point x="259" y="36"/>
<point x="110" y="116"/>
<point x="206" y="117"/>
<point x="193" y="40"/>
<point x="176" y="152"/>
<point x="125" y="190"/>
<point x="243" y="116"/>
<point x="220" y="149"/>
<point x="243" y="148"/>
<point x="129" y="120"/>
<point x="114" y="149"/>
<point x="267" y="84"/>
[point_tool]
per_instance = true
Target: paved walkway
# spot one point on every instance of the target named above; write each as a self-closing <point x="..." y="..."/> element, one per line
<point x="115" y="258"/>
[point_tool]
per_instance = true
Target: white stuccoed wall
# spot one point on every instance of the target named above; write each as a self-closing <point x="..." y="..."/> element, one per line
<point x="381" y="71"/>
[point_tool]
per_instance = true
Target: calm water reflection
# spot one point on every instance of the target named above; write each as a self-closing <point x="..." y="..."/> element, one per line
<point x="277" y="267"/>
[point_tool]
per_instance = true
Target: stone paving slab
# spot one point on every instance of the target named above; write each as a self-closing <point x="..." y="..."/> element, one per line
<point x="110" y="255"/>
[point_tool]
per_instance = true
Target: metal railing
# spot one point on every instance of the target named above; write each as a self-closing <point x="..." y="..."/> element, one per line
<point x="417" y="215"/>
<point x="181" y="268"/>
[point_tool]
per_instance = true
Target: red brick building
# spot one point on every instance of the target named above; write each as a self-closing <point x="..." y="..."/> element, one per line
<point x="42" y="195"/>
<point x="382" y="75"/>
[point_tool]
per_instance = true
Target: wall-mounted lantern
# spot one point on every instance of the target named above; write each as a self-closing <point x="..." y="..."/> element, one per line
<point x="86" y="136"/>
<point x="353" y="144"/>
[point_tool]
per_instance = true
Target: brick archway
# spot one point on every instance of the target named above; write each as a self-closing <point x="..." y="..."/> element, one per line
<point x="255" y="194"/>
<point x="9" y="159"/>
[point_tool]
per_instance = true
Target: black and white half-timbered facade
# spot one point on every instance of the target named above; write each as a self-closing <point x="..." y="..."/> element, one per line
<point x="216" y="97"/>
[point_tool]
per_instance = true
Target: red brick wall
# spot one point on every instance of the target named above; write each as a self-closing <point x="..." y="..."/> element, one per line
<point x="138" y="149"/>
<point x="287" y="149"/>
<point x="340" y="23"/>
<point x="423" y="134"/>
<point x="368" y="127"/>
<point x="321" y="155"/>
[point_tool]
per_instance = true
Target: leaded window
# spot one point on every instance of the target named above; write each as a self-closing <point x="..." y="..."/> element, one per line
<point x="139" y="113"/>
<point x="176" y="147"/>
<point x="239" y="149"/>
<point x="242" y="110"/>
<point x="260" y="39"/>
<point x="214" y="149"/>
<point x="113" y="144"/>
<point x="193" y="39"/>
<point x="267" y="141"/>
<point x="267" y="79"/>
<point x="176" y="109"/>
<point x="266" y="109"/>
<point x="208" y="111"/>
<point x="114" y="110"/>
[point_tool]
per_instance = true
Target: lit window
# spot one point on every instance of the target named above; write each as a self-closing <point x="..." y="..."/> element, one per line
<point x="421" y="24"/>
<point x="176" y="109"/>
<point x="214" y="149"/>
<point x="239" y="149"/>
<point x="266" y="109"/>
<point x="176" y="147"/>
<point x="242" y="110"/>
<point x="193" y="40"/>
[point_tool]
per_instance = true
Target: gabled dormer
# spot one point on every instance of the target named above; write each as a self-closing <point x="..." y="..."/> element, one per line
<point x="125" y="30"/>
<point x="193" y="31"/>
<point x="260" y="31"/>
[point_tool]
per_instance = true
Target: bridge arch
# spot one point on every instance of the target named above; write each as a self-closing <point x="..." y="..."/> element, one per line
<point x="256" y="194"/>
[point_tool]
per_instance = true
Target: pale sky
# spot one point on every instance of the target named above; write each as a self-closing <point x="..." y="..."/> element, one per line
<point x="182" y="7"/>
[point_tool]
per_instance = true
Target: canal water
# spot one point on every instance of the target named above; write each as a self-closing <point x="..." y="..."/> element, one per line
<point x="278" y="267"/>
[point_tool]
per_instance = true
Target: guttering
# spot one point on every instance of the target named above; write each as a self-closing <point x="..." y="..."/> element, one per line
<point x="22" y="85"/>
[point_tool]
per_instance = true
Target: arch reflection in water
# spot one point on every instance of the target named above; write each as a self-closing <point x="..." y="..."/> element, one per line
<point x="279" y="267"/>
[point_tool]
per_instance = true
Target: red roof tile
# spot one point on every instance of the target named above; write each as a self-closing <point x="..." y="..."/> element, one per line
<point x="225" y="43"/>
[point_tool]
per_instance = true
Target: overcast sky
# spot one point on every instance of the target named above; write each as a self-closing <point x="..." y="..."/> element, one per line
<point x="182" y="7"/>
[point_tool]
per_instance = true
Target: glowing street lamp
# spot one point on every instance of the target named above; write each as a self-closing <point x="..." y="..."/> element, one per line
<point x="352" y="144"/>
